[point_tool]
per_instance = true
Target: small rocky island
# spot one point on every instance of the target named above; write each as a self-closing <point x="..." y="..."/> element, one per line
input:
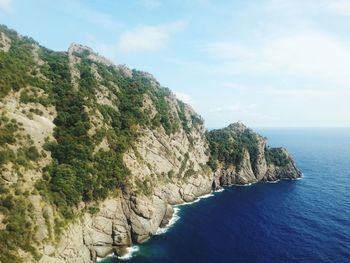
<point x="94" y="155"/>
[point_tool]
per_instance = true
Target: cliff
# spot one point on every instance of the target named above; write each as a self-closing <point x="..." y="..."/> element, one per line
<point x="93" y="155"/>
<point x="241" y="156"/>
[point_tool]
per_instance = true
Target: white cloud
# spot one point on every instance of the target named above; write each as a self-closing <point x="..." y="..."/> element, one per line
<point x="309" y="54"/>
<point x="6" y="5"/>
<point x="303" y="93"/>
<point x="302" y="7"/>
<point x="235" y="108"/>
<point x="250" y="114"/>
<point x="232" y="86"/>
<point x="149" y="38"/>
<point x="184" y="97"/>
<point x="341" y="7"/>
<point x="229" y="50"/>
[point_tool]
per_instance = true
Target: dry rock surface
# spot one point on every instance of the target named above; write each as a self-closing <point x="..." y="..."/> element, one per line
<point x="166" y="168"/>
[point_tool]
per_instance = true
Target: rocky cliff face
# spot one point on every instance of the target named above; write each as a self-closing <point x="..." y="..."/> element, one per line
<point x="94" y="155"/>
<point x="241" y="156"/>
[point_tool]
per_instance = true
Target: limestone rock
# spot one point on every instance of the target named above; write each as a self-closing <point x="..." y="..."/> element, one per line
<point x="167" y="167"/>
<point x="254" y="168"/>
<point x="5" y="42"/>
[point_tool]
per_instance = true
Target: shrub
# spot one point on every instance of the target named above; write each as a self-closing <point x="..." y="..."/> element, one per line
<point x="276" y="156"/>
<point x="228" y="147"/>
<point x="32" y="153"/>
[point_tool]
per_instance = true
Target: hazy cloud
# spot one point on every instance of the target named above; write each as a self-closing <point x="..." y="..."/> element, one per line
<point x="303" y="93"/>
<point x="309" y="54"/>
<point x="6" y="5"/>
<point x="235" y="108"/>
<point x="229" y="50"/>
<point x="149" y="38"/>
<point x="184" y="97"/>
<point x="341" y="7"/>
<point x="302" y="7"/>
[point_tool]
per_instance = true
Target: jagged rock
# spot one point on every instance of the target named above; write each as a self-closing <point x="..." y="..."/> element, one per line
<point x="255" y="168"/>
<point x="8" y="176"/>
<point x="74" y="47"/>
<point x="49" y="250"/>
<point x="166" y="167"/>
<point x="103" y="251"/>
<point x="5" y="42"/>
<point x="121" y="236"/>
<point x="167" y="216"/>
<point x="94" y="237"/>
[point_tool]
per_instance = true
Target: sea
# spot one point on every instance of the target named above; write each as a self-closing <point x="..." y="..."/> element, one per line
<point x="305" y="220"/>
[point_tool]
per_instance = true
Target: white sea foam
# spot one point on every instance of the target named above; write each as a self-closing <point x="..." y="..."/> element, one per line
<point x="176" y="216"/>
<point x="172" y="221"/>
<point x="299" y="178"/>
<point x="197" y="200"/>
<point x="131" y="251"/>
<point x="206" y="196"/>
<point x="219" y="190"/>
<point x="98" y="259"/>
<point x="273" y="182"/>
<point x="190" y="203"/>
<point x="248" y="184"/>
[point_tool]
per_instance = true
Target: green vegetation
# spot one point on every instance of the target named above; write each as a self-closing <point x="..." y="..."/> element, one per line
<point x="276" y="156"/>
<point x="182" y="116"/>
<point x="183" y="165"/>
<point x="15" y="65"/>
<point x="93" y="210"/>
<point x="78" y="171"/>
<point x="144" y="187"/>
<point x="68" y="179"/>
<point x="19" y="229"/>
<point x="189" y="173"/>
<point x="33" y="96"/>
<point x="228" y="147"/>
<point x="7" y="131"/>
<point x="9" y="136"/>
<point x="6" y="156"/>
<point x="163" y="116"/>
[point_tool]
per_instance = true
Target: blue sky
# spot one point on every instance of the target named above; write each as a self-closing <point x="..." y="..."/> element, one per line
<point x="268" y="63"/>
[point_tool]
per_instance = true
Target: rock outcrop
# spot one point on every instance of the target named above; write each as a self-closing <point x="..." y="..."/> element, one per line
<point x="257" y="162"/>
<point x="154" y="149"/>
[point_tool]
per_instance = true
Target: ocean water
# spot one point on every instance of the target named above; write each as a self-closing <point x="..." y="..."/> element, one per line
<point x="305" y="220"/>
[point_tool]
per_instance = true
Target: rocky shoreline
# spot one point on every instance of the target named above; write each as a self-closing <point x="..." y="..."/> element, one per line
<point x="98" y="154"/>
<point x="171" y="219"/>
<point x="132" y="219"/>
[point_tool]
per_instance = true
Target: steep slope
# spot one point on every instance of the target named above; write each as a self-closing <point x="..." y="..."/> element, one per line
<point x="241" y="156"/>
<point x="93" y="155"/>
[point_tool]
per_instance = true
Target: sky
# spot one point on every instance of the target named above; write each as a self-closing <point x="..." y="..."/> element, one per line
<point x="267" y="63"/>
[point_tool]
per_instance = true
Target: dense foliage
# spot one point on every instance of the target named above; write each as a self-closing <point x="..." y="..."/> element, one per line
<point x="15" y="65"/>
<point x="78" y="173"/>
<point x="276" y="156"/>
<point x="80" y="170"/>
<point x="15" y="207"/>
<point x="228" y="147"/>
<point x="19" y="229"/>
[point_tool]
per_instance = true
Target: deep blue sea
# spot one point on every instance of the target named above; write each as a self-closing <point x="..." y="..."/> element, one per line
<point x="306" y="220"/>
